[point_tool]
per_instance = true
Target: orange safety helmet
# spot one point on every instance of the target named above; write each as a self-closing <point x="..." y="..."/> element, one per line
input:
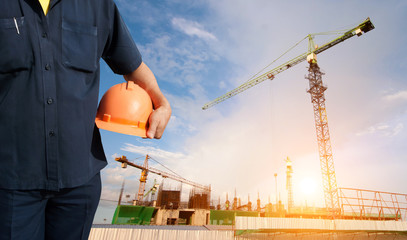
<point x="125" y="108"/>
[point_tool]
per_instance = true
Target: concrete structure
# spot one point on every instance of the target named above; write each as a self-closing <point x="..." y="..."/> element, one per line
<point x="194" y="217"/>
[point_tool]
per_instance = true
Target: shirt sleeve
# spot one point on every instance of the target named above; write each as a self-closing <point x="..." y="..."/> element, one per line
<point x="120" y="53"/>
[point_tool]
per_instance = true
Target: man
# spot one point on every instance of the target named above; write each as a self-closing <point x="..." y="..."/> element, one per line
<point x="50" y="150"/>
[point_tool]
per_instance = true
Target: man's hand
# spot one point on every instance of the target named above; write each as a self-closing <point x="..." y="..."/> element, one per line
<point x="162" y="110"/>
<point x="158" y="121"/>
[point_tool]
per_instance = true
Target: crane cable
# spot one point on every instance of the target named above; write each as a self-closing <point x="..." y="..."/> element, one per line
<point x="165" y="167"/>
<point x="277" y="58"/>
<point x="335" y="32"/>
<point x="158" y="163"/>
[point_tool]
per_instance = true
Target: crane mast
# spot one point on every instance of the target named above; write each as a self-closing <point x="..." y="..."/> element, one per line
<point x="316" y="89"/>
<point x="143" y="180"/>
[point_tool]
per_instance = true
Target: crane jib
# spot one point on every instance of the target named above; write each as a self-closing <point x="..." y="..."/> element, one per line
<point x="123" y="159"/>
<point x="364" y="27"/>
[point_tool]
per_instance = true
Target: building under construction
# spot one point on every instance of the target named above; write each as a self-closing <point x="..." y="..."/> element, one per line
<point x="167" y="209"/>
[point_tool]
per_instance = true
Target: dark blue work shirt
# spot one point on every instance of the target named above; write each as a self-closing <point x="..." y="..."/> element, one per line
<point x="49" y="86"/>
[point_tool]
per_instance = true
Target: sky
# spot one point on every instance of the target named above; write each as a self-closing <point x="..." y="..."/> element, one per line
<point x="199" y="50"/>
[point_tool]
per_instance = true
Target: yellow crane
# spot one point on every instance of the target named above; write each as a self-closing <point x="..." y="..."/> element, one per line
<point x="316" y="90"/>
<point x="145" y="169"/>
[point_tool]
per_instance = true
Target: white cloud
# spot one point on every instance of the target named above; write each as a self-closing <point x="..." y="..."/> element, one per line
<point x="222" y="85"/>
<point x="163" y="60"/>
<point x="192" y="28"/>
<point x="384" y="129"/>
<point x="177" y="62"/>
<point x="118" y="174"/>
<point x="152" y="151"/>
<point x="397" y="129"/>
<point x="397" y="96"/>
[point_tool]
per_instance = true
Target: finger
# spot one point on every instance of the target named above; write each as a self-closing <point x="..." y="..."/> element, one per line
<point x="151" y="131"/>
<point x="152" y="128"/>
<point x="157" y="122"/>
<point x="159" y="131"/>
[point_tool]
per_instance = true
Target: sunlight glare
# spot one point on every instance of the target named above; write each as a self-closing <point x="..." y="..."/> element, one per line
<point x="308" y="186"/>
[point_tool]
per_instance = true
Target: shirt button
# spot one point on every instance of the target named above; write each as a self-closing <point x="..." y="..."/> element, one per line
<point x="47" y="67"/>
<point x="50" y="101"/>
<point x="44" y="35"/>
<point x="51" y="133"/>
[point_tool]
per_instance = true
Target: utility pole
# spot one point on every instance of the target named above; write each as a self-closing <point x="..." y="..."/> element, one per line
<point x="121" y="194"/>
<point x="275" y="176"/>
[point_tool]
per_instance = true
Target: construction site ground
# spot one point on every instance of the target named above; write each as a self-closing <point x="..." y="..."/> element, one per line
<point x="322" y="236"/>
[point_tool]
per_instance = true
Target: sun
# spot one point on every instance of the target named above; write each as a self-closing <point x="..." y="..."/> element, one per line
<point x="308" y="186"/>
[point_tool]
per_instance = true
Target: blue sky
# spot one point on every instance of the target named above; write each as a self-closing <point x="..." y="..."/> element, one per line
<point x="199" y="50"/>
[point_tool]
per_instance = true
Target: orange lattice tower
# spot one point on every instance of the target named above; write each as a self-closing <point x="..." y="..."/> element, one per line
<point x="317" y="89"/>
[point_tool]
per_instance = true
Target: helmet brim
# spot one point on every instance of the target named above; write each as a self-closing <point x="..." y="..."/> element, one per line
<point x="133" y="130"/>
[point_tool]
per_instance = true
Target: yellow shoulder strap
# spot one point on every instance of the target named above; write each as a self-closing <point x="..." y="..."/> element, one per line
<point x="45" y="5"/>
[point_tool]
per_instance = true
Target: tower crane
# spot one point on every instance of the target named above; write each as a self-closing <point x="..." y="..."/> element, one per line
<point x="317" y="98"/>
<point x="145" y="169"/>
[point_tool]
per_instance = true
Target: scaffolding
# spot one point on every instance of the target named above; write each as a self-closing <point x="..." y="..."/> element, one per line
<point x="169" y="199"/>
<point x="199" y="199"/>
<point x="368" y="204"/>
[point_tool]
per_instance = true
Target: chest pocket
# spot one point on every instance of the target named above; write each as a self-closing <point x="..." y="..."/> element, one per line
<point x="15" y="51"/>
<point x="79" y="46"/>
